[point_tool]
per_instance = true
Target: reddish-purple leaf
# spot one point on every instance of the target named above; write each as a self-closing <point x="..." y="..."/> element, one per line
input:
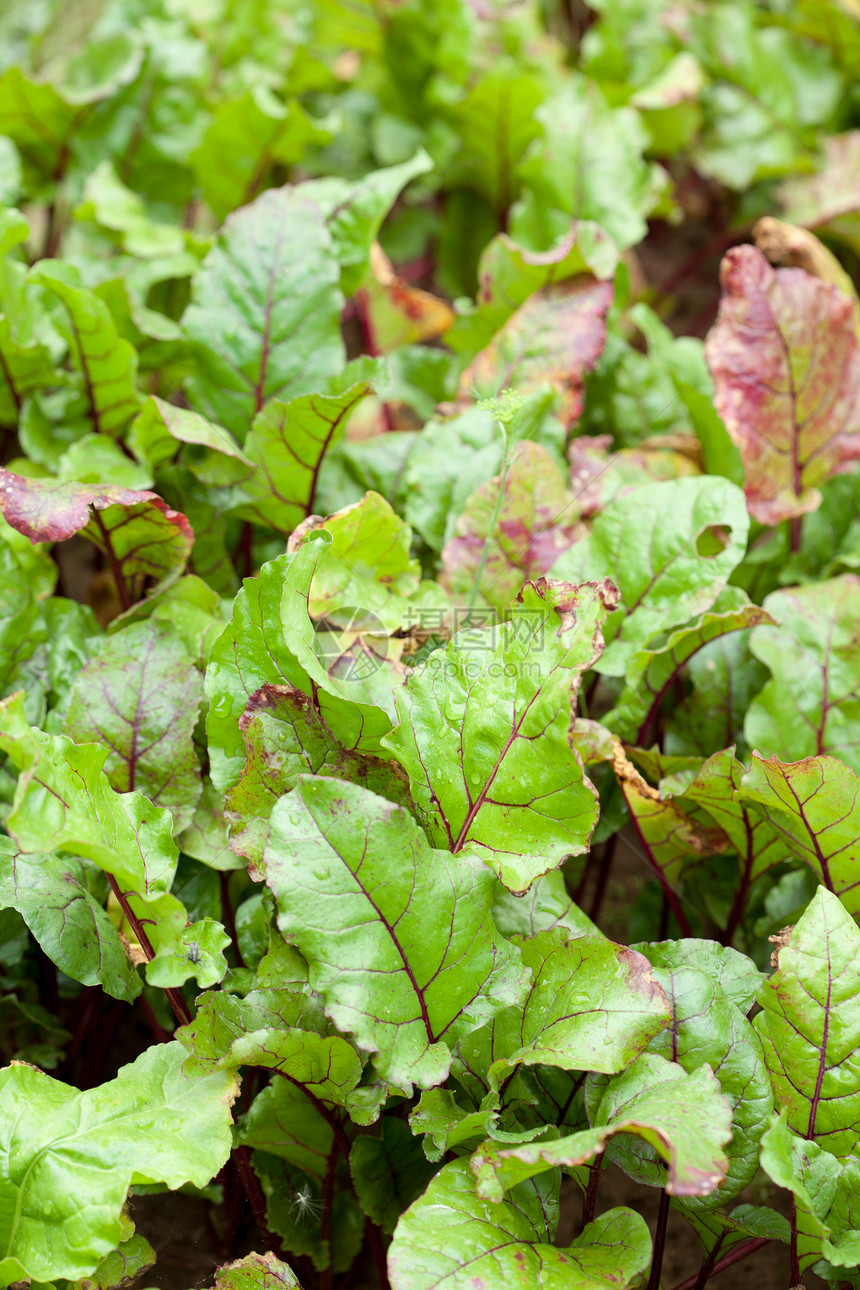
<point x="783" y="355"/>
<point x="135" y="528"/>
<point x="555" y="338"/>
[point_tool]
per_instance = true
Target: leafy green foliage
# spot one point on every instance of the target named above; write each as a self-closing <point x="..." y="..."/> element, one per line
<point x="402" y="609"/>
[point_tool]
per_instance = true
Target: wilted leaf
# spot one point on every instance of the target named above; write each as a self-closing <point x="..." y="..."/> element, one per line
<point x="71" y="1156"/>
<point x="809" y="1027"/>
<point x="599" y="473"/>
<point x="452" y="1239"/>
<point x="363" y="897"/>
<point x="786" y="367"/>
<point x="482" y="779"/>
<point x="555" y="338"/>
<point x="134" y="528"/>
<point x="500" y="542"/>
<point x="396" y="312"/>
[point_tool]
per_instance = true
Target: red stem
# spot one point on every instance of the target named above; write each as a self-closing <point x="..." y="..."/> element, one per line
<point x="796" y="528"/>
<point x="229" y="917"/>
<point x="668" y="890"/>
<point x="734" y="1256"/>
<point x="256" y="1199"/>
<point x="659" y="1241"/>
<point x="589" y="1205"/>
<point x="795" y="1257"/>
<point x="373" y="1236"/>
<point x="326" y="1222"/>
<point x="115" y="566"/>
<point x="180" y="1008"/>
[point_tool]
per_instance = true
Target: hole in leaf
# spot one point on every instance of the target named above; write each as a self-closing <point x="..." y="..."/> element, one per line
<point x="713" y="539"/>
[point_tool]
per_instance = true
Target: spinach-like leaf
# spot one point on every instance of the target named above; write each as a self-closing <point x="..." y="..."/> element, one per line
<point x="501" y="754"/>
<point x="809" y="1028"/>
<point x="70" y="1157"/>
<point x="367" y="901"/>
<point x="452" y="1239"/>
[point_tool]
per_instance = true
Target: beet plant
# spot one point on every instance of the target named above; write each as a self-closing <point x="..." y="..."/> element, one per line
<point x="430" y="681"/>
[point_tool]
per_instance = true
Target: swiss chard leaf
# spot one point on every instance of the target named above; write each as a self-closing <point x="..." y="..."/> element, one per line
<point x="496" y="690"/>
<point x="812" y="703"/>
<point x="265" y="309"/>
<point x="360" y="893"/>
<point x="671" y="547"/>
<point x="141" y="696"/>
<point x="71" y="1156"/>
<point x="809" y="1029"/>
<point x="451" y="1238"/>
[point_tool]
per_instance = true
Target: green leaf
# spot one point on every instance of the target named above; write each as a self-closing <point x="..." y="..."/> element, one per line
<point x="814" y="806"/>
<point x="108" y="364"/>
<point x="287" y="444"/>
<point x="265" y="309"/>
<point x="285" y="737"/>
<point x="63" y="799"/>
<point x="354" y="210"/>
<point x="555" y="338"/>
<point x="256" y="1272"/>
<point x="256" y="132"/>
<point x="452" y="1239"/>
<point x="509" y="273"/>
<point x="726" y="678"/>
<point x="71" y="1157"/>
<point x="160" y="427"/>
<point x="812" y="703"/>
<point x="270" y="640"/>
<point x="121" y="1267"/>
<point x="198" y="953"/>
<point x="513" y="528"/>
<point x="483" y="770"/>
<point x="592" y="1005"/>
<point x="588" y="166"/>
<point x="294" y="1207"/>
<point x="388" y="1172"/>
<point x="112" y="205"/>
<point x="660" y="1112"/>
<point x="447" y="461"/>
<point x="495" y="123"/>
<point x="671" y="548"/>
<point x="360" y="893"/>
<point x="364" y="575"/>
<point x="808" y="1026"/>
<point x="545" y="905"/>
<point x="651" y="671"/>
<point x="141" y="696"/>
<point x="51" y="894"/>
<point x="708" y="1027"/>
<point x="825" y="1192"/>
